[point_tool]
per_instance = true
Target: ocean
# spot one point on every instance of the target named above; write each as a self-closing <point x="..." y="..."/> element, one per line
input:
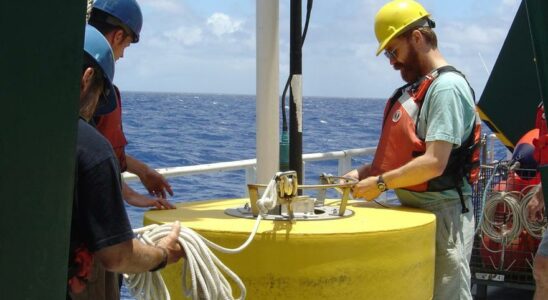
<point x="180" y="129"/>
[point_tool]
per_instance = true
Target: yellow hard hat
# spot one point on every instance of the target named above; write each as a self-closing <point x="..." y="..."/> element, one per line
<point x="394" y="17"/>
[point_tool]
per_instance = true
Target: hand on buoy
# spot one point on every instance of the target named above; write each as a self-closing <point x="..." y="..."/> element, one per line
<point x="154" y="202"/>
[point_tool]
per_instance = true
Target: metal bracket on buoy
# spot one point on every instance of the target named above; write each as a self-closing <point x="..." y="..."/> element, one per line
<point x="291" y="206"/>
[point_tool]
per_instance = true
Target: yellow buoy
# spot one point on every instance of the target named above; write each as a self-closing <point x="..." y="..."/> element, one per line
<point x="377" y="253"/>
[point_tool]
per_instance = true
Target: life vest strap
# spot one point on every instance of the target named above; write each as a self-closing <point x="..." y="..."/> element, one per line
<point x="462" y="203"/>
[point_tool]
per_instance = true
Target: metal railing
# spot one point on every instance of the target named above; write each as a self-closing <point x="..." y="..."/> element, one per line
<point x="344" y="158"/>
<point x="250" y="165"/>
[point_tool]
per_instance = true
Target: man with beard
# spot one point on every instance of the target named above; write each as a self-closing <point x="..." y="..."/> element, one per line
<point x="428" y="149"/>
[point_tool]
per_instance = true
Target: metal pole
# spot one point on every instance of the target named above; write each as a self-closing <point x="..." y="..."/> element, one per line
<point x="295" y="107"/>
<point x="267" y="110"/>
<point x="537" y="12"/>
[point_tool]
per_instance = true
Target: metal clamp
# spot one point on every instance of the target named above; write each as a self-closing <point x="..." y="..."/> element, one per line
<point x="287" y="191"/>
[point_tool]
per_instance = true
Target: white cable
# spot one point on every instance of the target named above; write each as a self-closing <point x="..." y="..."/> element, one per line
<point x="497" y="230"/>
<point x="269" y="199"/>
<point x="88" y="9"/>
<point x="487" y="188"/>
<point x="484" y="65"/>
<point x="206" y="270"/>
<point x="534" y="228"/>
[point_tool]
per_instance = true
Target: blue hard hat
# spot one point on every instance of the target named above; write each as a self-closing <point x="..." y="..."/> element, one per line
<point x="98" y="48"/>
<point x="127" y="12"/>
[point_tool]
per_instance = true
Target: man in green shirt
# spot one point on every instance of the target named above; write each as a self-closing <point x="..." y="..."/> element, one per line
<point x="428" y="140"/>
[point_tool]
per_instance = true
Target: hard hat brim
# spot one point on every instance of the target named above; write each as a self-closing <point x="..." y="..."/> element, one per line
<point x="386" y="41"/>
<point x="423" y="21"/>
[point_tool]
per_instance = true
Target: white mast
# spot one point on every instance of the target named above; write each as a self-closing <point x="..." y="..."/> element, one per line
<point x="268" y="110"/>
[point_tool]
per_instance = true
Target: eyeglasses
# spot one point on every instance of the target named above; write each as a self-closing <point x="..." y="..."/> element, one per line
<point x="391" y="54"/>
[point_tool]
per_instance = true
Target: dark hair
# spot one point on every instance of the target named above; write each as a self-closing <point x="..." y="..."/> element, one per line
<point x="106" y="23"/>
<point x="427" y="32"/>
<point x="88" y="104"/>
<point x="429" y="36"/>
<point x="98" y="80"/>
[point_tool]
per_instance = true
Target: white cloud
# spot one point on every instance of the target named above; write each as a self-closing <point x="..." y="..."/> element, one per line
<point x="510" y="2"/>
<point x="214" y="38"/>
<point x="185" y="35"/>
<point x="475" y="37"/>
<point x="221" y="24"/>
<point x="507" y="9"/>
<point x="173" y="6"/>
<point x="365" y="51"/>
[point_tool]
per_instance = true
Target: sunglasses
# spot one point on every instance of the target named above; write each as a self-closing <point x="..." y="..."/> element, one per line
<point x="391" y="54"/>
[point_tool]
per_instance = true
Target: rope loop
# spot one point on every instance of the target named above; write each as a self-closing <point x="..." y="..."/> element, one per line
<point x="206" y="271"/>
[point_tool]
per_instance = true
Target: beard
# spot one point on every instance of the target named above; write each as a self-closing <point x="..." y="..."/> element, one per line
<point x="410" y="69"/>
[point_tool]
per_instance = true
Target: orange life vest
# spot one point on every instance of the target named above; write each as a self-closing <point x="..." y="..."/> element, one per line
<point x="80" y="258"/>
<point x="110" y="126"/>
<point x="400" y="143"/>
<point x="80" y="265"/>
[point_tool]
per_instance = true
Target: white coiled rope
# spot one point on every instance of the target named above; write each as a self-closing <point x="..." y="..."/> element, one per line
<point x="206" y="270"/>
<point x="533" y="227"/>
<point x="496" y="230"/>
<point x="88" y="9"/>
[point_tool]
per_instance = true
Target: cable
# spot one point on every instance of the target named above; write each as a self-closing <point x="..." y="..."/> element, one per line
<point x="380" y="204"/>
<point x="486" y="189"/>
<point x="89" y="7"/>
<point x="534" y="228"/>
<point x="305" y="31"/>
<point x="206" y="270"/>
<point x="498" y="230"/>
<point x="269" y="199"/>
<point x="308" y="13"/>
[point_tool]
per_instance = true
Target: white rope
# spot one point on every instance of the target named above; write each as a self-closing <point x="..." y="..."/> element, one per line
<point x="497" y="230"/>
<point x="269" y="199"/>
<point x="206" y="270"/>
<point x="534" y="228"/>
<point x="88" y="10"/>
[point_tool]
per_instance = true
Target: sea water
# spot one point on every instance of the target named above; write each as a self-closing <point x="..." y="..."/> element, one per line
<point x="176" y="129"/>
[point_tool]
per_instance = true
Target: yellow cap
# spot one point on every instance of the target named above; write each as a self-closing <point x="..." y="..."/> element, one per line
<point x="394" y="17"/>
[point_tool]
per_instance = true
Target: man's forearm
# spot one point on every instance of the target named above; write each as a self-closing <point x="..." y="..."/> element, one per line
<point x="130" y="257"/>
<point x="420" y="169"/>
<point x="127" y="191"/>
<point x="363" y="171"/>
<point x="136" y="166"/>
<point x="415" y="172"/>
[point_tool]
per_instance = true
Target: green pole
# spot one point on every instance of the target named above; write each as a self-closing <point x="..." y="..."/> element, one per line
<point x="41" y="60"/>
<point x="537" y="12"/>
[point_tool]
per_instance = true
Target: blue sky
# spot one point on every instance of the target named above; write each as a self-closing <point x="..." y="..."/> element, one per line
<point x="208" y="46"/>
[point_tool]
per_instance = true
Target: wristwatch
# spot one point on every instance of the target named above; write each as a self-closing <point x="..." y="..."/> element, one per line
<point x="381" y="185"/>
<point x="163" y="263"/>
